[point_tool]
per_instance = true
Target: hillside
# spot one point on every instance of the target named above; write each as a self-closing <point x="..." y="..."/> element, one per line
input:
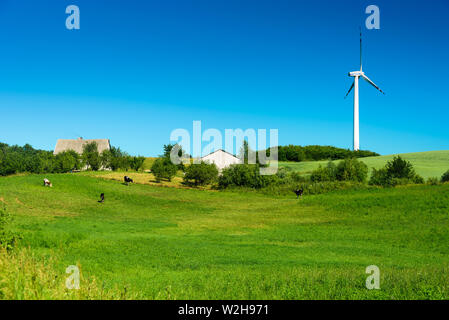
<point x="170" y="243"/>
<point x="427" y="164"/>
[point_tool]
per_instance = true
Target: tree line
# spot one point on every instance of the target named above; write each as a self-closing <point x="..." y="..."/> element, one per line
<point x="315" y="153"/>
<point x="17" y="159"/>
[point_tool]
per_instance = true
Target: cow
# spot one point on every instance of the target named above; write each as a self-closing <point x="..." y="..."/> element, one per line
<point x="128" y="180"/>
<point x="299" y="193"/>
<point x="47" y="183"/>
<point x="101" y="198"/>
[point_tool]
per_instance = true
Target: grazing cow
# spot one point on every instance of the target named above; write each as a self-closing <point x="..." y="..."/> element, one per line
<point x="47" y="183"/>
<point x="128" y="180"/>
<point x="101" y="198"/>
<point x="299" y="192"/>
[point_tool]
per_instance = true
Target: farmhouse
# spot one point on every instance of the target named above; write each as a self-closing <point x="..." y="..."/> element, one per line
<point x="221" y="158"/>
<point x="77" y="145"/>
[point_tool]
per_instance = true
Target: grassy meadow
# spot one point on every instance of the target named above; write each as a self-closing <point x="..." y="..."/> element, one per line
<point x="149" y="242"/>
<point x="427" y="164"/>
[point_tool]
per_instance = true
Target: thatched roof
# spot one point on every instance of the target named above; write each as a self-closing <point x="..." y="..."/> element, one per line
<point x="77" y="145"/>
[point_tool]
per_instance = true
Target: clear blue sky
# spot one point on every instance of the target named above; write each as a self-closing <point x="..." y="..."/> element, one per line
<point x="137" y="69"/>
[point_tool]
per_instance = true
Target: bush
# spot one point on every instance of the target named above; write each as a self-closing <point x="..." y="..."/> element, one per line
<point x="379" y="177"/>
<point x="396" y="172"/>
<point x="284" y="172"/>
<point x="296" y="177"/>
<point x="313" y="188"/>
<point x="163" y="168"/>
<point x="244" y="175"/>
<point x="418" y="179"/>
<point x="401" y="182"/>
<point x="445" y="177"/>
<point x="247" y="177"/>
<point x="433" y="181"/>
<point x="328" y="173"/>
<point x="351" y="169"/>
<point x="201" y="174"/>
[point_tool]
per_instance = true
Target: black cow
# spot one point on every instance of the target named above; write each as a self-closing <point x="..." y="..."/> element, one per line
<point x="299" y="192"/>
<point x="128" y="180"/>
<point x="101" y="198"/>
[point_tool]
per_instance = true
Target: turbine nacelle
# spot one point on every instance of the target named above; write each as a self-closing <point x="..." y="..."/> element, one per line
<point x="356" y="74"/>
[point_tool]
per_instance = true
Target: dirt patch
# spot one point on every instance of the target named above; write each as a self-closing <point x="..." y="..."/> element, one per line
<point x="2" y="200"/>
<point x="19" y="202"/>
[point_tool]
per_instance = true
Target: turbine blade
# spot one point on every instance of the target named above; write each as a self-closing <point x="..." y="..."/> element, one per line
<point x="371" y="83"/>
<point x="352" y="86"/>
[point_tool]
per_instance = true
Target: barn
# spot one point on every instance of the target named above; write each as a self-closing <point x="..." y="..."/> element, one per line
<point x="77" y="145"/>
<point x="221" y="158"/>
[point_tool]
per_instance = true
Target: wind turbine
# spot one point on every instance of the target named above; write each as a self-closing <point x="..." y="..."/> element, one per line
<point x="355" y="86"/>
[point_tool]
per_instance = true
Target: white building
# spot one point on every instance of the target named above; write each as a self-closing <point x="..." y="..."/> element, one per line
<point x="221" y="158"/>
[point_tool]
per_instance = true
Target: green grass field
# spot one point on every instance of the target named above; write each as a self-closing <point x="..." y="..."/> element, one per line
<point x="172" y="243"/>
<point x="427" y="164"/>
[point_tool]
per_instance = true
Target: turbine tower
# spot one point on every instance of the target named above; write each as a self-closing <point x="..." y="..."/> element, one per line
<point x="355" y="86"/>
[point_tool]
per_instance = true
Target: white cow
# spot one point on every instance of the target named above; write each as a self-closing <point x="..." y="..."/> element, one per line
<point x="47" y="183"/>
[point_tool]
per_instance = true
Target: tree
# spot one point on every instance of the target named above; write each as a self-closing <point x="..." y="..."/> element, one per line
<point x="328" y="173"/>
<point x="8" y="164"/>
<point x="445" y="177"/>
<point x="112" y="158"/>
<point x="32" y="164"/>
<point x="163" y="168"/>
<point x="299" y="153"/>
<point x="47" y="163"/>
<point x="137" y="163"/>
<point x="105" y="159"/>
<point x="117" y="159"/>
<point x="67" y="161"/>
<point x="168" y="149"/>
<point x="400" y="168"/>
<point x="125" y="162"/>
<point x="201" y="174"/>
<point x="396" y="172"/>
<point x="247" y="154"/>
<point x="91" y="156"/>
<point x="351" y="169"/>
